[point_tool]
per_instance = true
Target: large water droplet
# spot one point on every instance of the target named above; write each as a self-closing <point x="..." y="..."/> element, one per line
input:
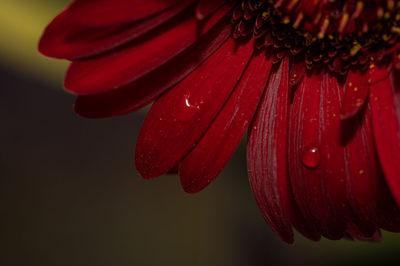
<point x="311" y="156"/>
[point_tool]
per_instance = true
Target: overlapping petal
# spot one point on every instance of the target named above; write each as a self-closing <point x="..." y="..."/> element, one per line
<point x="179" y="118"/>
<point x="324" y="142"/>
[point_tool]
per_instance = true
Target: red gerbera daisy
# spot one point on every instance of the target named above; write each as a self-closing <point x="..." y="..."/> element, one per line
<point x="318" y="79"/>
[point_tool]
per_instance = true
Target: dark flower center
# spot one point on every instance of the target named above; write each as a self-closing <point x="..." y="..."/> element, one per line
<point x="339" y="35"/>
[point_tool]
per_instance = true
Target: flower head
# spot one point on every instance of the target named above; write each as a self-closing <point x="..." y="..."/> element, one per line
<point x="316" y="84"/>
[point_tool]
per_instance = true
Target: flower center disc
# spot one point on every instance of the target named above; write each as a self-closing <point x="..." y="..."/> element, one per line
<point x="340" y="35"/>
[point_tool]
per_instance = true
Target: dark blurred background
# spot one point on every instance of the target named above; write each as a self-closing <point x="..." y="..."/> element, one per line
<point x="69" y="193"/>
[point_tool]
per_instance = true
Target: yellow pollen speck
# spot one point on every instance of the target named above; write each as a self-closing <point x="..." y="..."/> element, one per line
<point x="395" y="29"/>
<point x="324" y="27"/>
<point x="385" y="37"/>
<point x="294" y="75"/>
<point x="359" y="8"/>
<point x="255" y="128"/>
<point x="371" y="66"/>
<point x="361" y="172"/>
<point x="286" y="20"/>
<point x="355" y="89"/>
<point x="379" y="12"/>
<point x="390" y="4"/>
<point x="354" y="50"/>
<point x="343" y="22"/>
<point x="359" y="102"/>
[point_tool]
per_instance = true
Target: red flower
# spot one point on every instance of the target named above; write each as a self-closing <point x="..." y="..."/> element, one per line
<point x="320" y="80"/>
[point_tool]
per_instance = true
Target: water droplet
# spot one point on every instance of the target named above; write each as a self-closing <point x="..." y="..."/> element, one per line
<point x="189" y="110"/>
<point x="311" y="156"/>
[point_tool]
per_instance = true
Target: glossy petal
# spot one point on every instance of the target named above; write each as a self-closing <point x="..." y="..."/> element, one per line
<point x="215" y="148"/>
<point x="74" y="41"/>
<point x="363" y="176"/>
<point x="141" y="92"/>
<point x="129" y="63"/>
<point x="179" y="118"/>
<point x="105" y="12"/>
<point x="266" y="154"/>
<point x="385" y="104"/>
<point x="206" y="7"/>
<point x="267" y="159"/>
<point x="356" y="94"/>
<point x="316" y="163"/>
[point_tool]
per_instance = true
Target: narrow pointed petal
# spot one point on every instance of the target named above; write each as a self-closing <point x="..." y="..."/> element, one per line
<point x="267" y="153"/>
<point x="356" y="94"/>
<point x="215" y="148"/>
<point x="267" y="159"/>
<point x="146" y="89"/>
<point x="385" y="105"/>
<point x="73" y="41"/>
<point x="105" y="12"/>
<point x="316" y="163"/>
<point x="129" y="63"/>
<point x="363" y="177"/>
<point x="179" y="118"/>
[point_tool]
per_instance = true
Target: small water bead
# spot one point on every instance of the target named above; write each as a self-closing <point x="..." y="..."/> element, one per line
<point x="189" y="110"/>
<point x="311" y="156"/>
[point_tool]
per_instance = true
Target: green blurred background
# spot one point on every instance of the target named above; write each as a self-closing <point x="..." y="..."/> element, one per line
<point x="69" y="193"/>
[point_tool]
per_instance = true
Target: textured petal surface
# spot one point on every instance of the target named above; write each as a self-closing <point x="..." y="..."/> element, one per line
<point x="316" y="162"/>
<point x="206" y="7"/>
<point x="105" y="12"/>
<point x="385" y="105"/>
<point x="62" y="39"/>
<point x="267" y="159"/>
<point x="363" y="177"/>
<point x="178" y="119"/>
<point x="356" y="94"/>
<point x="215" y="148"/>
<point x="120" y="67"/>
<point x="146" y="89"/>
<point x="267" y="154"/>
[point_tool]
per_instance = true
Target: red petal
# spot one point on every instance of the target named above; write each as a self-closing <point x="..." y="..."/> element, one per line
<point x="125" y="65"/>
<point x="355" y="233"/>
<point x="267" y="153"/>
<point x="316" y="163"/>
<point x="356" y="94"/>
<point x="363" y="176"/>
<point x="147" y="88"/>
<point x="385" y="105"/>
<point x="64" y="40"/>
<point x="106" y="12"/>
<point x="206" y="7"/>
<point x="267" y="160"/>
<point x="215" y="148"/>
<point x="179" y="118"/>
<point x="297" y="71"/>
